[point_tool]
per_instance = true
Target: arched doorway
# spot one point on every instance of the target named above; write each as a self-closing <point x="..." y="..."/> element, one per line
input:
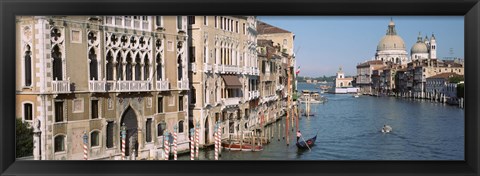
<point x="206" y="131"/>
<point x="129" y="118"/>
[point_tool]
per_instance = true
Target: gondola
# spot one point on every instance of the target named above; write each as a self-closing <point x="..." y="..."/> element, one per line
<point x="302" y="145"/>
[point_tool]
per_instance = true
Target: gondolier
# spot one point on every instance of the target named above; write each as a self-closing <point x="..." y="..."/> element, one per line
<point x="298" y="135"/>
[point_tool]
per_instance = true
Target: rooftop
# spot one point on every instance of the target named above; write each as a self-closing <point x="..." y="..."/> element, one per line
<point x="264" y="28"/>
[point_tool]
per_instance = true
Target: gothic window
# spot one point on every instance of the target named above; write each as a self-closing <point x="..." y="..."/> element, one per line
<point x="59" y="143"/>
<point x="59" y="111"/>
<point x="146" y="68"/>
<point x="28" y="66"/>
<point x="180" y="126"/>
<point x="119" y="66"/>
<point x="180" y="67"/>
<point x="128" y="68"/>
<point x="110" y="134"/>
<point x="138" y="68"/>
<point x="27" y="111"/>
<point x="57" y="63"/>
<point x="159" y="67"/>
<point x="93" y="64"/>
<point x="148" y="130"/>
<point x="109" y="66"/>
<point x="192" y="54"/>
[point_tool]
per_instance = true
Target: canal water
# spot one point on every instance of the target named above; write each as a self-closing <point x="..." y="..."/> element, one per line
<point x="349" y="129"/>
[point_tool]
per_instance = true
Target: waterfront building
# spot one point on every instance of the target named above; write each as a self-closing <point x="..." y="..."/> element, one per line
<point x="93" y="75"/>
<point x="391" y="47"/>
<point x="284" y="39"/>
<point x="224" y="73"/>
<point x="440" y="88"/>
<point x="343" y="84"/>
<point x="364" y="75"/>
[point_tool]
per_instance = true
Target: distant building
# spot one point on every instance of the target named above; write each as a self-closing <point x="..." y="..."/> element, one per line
<point x="391" y="47"/>
<point x="364" y="75"/>
<point x="439" y="88"/>
<point x="343" y="84"/>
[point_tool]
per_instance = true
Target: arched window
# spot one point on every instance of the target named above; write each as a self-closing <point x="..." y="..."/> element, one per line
<point x="148" y="130"/>
<point x="28" y="66"/>
<point x="159" y="67"/>
<point x="109" y="66"/>
<point x="119" y="66"/>
<point x="27" y="111"/>
<point x="180" y="126"/>
<point x="138" y="68"/>
<point x="146" y="68"/>
<point x="128" y="68"/>
<point x="109" y="140"/>
<point x="95" y="139"/>
<point x="193" y="95"/>
<point x="57" y="63"/>
<point x="341" y="84"/>
<point x="180" y="68"/>
<point x="59" y="143"/>
<point x="159" y="130"/>
<point x="93" y="64"/>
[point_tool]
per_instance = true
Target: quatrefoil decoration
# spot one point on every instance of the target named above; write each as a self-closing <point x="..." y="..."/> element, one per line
<point x="56" y="35"/>
<point x="114" y="40"/>
<point x="124" y="41"/>
<point x="158" y="44"/>
<point x="92" y="38"/>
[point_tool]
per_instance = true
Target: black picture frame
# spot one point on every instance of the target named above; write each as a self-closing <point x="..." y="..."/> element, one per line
<point x="470" y="9"/>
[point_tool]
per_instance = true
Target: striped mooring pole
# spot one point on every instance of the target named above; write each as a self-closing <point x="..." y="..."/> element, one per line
<point x="175" y="128"/>
<point x="192" y="144"/>
<point x="124" y="136"/>
<point x="85" y="147"/>
<point x="197" y="136"/>
<point x="166" y="146"/>
<point x="216" y="142"/>
<point x="219" y="131"/>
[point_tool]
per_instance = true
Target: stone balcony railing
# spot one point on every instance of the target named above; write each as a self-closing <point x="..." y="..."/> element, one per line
<point x="97" y="86"/>
<point x="231" y="101"/>
<point x="110" y="86"/>
<point x="182" y="84"/>
<point x="269" y="98"/>
<point x="162" y="85"/>
<point x="280" y="87"/>
<point x="216" y="68"/>
<point x="133" y="86"/>
<point x="230" y="69"/>
<point x="207" y="68"/>
<point x="256" y="94"/>
<point x="61" y="86"/>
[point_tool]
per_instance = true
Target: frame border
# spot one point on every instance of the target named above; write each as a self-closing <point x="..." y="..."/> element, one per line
<point x="470" y="9"/>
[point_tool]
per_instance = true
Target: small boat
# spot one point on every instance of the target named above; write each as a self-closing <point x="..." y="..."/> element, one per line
<point x="310" y="142"/>
<point x="386" y="129"/>
<point x="241" y="147"/>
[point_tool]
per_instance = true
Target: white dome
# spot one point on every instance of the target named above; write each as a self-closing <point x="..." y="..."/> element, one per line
<point x="391" y="42"/>
<point x="419" y="47"/>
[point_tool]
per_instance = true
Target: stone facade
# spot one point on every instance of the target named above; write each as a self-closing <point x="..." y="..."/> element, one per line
<point x="90" y="75"/>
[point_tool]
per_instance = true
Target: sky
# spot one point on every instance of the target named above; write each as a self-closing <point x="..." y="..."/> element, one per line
<point x="324" y="43"/>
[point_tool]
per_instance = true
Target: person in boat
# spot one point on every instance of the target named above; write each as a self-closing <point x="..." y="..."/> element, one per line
<point x="298" y="135"/>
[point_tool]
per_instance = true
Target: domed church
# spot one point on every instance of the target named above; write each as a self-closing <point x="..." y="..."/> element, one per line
<point x="424" y="49"/>
<point x="391" y="47"/>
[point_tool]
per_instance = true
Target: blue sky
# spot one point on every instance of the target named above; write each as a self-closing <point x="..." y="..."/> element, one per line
<point x="324" y="43"/>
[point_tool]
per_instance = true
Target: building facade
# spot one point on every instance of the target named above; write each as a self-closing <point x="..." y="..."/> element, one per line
<point x="224" y="73"/>
<point x="96" y="76"/>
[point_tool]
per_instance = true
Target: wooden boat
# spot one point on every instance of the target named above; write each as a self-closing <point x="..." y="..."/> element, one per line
<point x="243" y="147"/>
<point x="302" y="145"/>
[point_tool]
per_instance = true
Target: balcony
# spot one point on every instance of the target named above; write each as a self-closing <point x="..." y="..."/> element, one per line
<point x="97" y="86"/>
<point x="256" y="94"/>
<point x="269" y="98"/>
<point x="162" y="85"/>
<point x="229" y="69"/>
<point x="133" y="86"/>
<point x="62" y="86"/>
<point x="111" y="86"/>
<point x="193" y="67"/>
<point x="207" y="68"/>
<point x="182" y="84"/>
<point x="231" y="101"/>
